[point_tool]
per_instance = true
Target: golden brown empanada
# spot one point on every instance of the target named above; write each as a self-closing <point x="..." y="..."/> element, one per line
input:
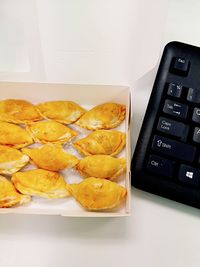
<point x="9" y="196"/>
<point x="102" y="142"/>
<point x="101" y="166"/>
<point x="51" y="132"/>
<point x="14" y="136"/>
<point x="105" y="116"/>
<point x="11" y="160"/>
<point x="97" y="194"/>
<point x="40" y="183"/>
<point x="51" y="157"/>
<point x="61" y="111"/>
<point x="18" y="111"/>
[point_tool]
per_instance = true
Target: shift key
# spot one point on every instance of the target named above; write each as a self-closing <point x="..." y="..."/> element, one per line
<point x="173" y="148"/>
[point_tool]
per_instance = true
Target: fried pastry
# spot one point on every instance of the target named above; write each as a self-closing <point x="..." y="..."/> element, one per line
<point x="9" y="196"/>
<point x="101" y="166"/>
<point x="101" y="142"/>
<point x="97" y="194"/>
<point x="40" y="183"/>
<point x="61" y="111"/>
<point x="18" y="111"/>
<point x="104" y="116"/>
<point x="11" y="160"/>
<point x="14" y="136"/>
<point x="51" y="132"/>
<point x="51" y="157"/>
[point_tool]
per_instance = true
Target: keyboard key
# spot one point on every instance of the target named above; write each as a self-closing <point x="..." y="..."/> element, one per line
<point x="174" y="90"/>
<point x="172" y="127"/>
<point x="173" y="148"/>
<point x="161" y="166"/>
<point x="180" y="66"/>
<point x="175" y="109"/>
<point x="193" y="95"/>
<point x="196" y="135"/>
<point x="196" y="115"/>
<point x="189" y="175"/>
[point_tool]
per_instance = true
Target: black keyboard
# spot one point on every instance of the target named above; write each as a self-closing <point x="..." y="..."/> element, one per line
<point x="166" y="160"/>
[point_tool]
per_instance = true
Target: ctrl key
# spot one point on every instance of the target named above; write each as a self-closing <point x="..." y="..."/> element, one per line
<point x="161" y="166"/>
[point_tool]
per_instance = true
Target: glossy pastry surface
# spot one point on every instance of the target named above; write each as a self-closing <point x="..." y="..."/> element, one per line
<point x="40" y="183"/>
<point x="18" y="111"/>
<point x="51" y="132"/>
<point x="101" y="142"/>
<point x="97" y="194"/>
<point x="14" y="136"/>
<point x="51" y="157"/>
<point x="104" y="116"/>
<point x="9" y="195"/>
<point x="11" y="160"/>
<point x="61" y="111"/>
<point x="101" y="166"/>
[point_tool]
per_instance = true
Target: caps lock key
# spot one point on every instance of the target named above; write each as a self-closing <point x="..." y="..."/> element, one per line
<point x="173" y="128"/>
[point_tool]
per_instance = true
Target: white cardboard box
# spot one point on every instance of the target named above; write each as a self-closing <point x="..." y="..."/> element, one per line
<point x="87" y="96"/>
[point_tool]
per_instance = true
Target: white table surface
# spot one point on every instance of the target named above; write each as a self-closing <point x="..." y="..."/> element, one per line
<point x="160" y="232"/>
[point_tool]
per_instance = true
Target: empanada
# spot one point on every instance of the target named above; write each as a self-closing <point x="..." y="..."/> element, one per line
<point x="102" y="142"/>
<point x="105" y="116"/>
<point x="101" y="166"/>
<point x="9" y="196"/>
<point x="11" y="160"/>
<point x="61" y="111"/>
<point x="14" y="136"/>
<point x="97" y="194"/>
<point x="51" y="157"/>
<point x="40" y="183"/>
<point x="51" y="132"/>
<point x="18" y="111"/>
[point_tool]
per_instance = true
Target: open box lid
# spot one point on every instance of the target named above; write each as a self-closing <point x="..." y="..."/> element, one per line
<point x="20" y="48"/>
<point x="110" y="42"/>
